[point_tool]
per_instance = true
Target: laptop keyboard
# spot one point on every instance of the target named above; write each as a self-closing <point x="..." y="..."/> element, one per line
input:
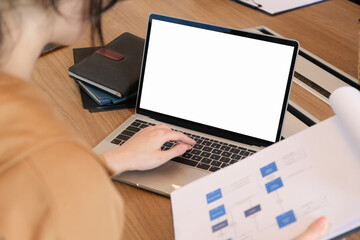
<point x="207" y="154"/>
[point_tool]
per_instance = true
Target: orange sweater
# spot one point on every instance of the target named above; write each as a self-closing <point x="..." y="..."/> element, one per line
<point x="51" y="186"/>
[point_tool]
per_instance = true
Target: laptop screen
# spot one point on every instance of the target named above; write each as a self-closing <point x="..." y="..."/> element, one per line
<point x="217" y="77"/>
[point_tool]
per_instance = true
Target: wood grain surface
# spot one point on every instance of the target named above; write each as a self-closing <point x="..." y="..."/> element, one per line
<point x="329" y="30"/>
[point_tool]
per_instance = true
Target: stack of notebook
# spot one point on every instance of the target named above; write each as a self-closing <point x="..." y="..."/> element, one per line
<point x="108" y="76"/>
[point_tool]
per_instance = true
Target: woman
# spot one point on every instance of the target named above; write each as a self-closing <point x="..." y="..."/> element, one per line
<point x="51" y="186"/>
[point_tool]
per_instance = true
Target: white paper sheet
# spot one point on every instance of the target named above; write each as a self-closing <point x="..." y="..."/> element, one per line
<point x="280" y="190"/>
<point x="344" y="101"/>
<point x="277" y="6"/>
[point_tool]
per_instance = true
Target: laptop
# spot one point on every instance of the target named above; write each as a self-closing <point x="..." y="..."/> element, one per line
<point x="228" y="89"/>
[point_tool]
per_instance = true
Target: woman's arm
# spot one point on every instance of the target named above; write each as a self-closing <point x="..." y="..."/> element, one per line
<point x="142" y="151"/>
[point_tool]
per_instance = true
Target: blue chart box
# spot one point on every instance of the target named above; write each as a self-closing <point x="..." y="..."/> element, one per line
<point x="252" y="210"/>
<point x="219" y="226"/>
<point x="217" y="212"/>
<point x="286" y="219"/>
<point x="273" y="185"/>
<point x="213" y="196"/>
<point x="268" y="169"/>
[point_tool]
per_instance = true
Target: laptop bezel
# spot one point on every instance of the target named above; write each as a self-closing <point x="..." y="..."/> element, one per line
<point x="205" y="128"/>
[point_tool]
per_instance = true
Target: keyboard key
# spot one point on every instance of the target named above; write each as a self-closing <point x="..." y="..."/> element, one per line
<point x="225" y="159"/>
<point x="252" y="151"/>
<point x="213" y="169"/>
<point x="143" y="126"/>
<point x="236" y="157"/>
<point x="206" y="143"/>
<point x="187" y="155"/>
<point x="215" y="157"/>
<point x="134" y="129"/>
<point x="206" y="160"/>
<point x="234" y="150"/>
<point x="224" y="165"/>
<point x="216" y="163"/>
<point x="203" y="166"/>
<point x="140" y="121"/>
<point x="135" y="124"/>
<point x="205" y="154"/>
<point x="244" y="153"/>
<point x="195" y="151"/>
<point x="197" y="146"/>
<point x="123" y="137"/>
<point x="207" y="149"/>
<point x="216" y="151"/>
<point x="216" y="145"/>
<point x="184" y="161"/>
<point x="226" y="154"/>
<point x="225" y="148"/>
<point x="116" y="141"/>
<point x="196" y="158"/>
<point x="233" y="161"/>
<point x="128" y="133"/>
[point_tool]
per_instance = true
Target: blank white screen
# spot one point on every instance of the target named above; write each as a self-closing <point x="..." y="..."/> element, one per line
<point x="221" y="80"/>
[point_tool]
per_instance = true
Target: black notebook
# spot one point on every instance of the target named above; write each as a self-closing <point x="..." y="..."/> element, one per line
<point x="88" y="102"/>
<point x="115" y="68"/>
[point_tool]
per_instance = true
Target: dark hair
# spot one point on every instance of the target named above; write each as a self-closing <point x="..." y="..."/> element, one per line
<point x="96" y="8"/>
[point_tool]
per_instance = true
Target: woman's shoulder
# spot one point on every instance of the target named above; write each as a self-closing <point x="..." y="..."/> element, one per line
<point x="26" y="119"/>
<point x="40" y="158"/>
<point x="57" y="186"/>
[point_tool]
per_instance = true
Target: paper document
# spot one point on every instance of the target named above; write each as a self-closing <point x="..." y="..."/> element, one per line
<point x="280" y="190"/>
<point x="278" y="6"/>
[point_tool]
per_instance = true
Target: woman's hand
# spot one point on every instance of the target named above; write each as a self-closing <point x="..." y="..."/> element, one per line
<point x="315" y="231"/>
<point x="142" y="151"/>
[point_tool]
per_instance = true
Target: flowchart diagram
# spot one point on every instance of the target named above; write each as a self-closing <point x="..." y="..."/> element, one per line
<point x="261" y="206"/>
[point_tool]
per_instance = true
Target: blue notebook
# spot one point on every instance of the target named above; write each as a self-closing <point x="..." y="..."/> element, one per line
<point x="102" y="98"/>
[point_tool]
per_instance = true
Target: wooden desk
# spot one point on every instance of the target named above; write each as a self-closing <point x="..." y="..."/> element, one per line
<point x="330" y="30"/>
